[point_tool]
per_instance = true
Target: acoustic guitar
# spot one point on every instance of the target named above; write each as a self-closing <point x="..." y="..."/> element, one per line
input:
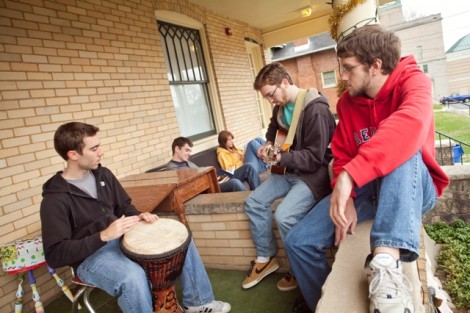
<point x="279" y="145"/>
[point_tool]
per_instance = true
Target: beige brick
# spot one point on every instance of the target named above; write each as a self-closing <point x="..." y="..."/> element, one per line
<point x="241" y="243"/>
<point x="27" y="220"/>
<point x="22" y="131"/>
<point x="230" y="251"/>
<point x="6" y="133"/>
<point x="216" y="243"/>
<point x="20" y="159"/>
<point x="213" y="226"/>
<point x="7" y="197"/>
<point x="10" y="95"/>
<point x="61" y="117"/>
<point x="70" y="108"/>
<point x="5" y="153"/>
<point x="44" y="11"/>
<point x="30" y="58"/>
<point x="43" y="93"/>
<point x="245" y="234"/>
<point x="9" y="218"/>
<point x="38" y="120"/>
<point x="54" y="84"/>
<point x="15" y="142"/>
<point x="199" y="218"/>
<point x="48" y="110"/>
<point x="32" y="103"/>
<point x="39" y="76"/>
<point x="16" y="207"/>
<point x="76" y="84"/>
<point x="5" y="229"/>
<point x="82" y="115"/>
<point x="29" y="42"/>
<point x="67" y="53"/>
<point x="62" y="76"/>
<point x="22" y="177"/>
<point x="5" y="85"/>
<point x="50" y="68"/>
<point x="66" y="92"/>
<point x="44" y="136"/>
<point x="29" y="193"/>
<point x="197" y="234"/>
<point x="8" y="105"/>
<point x="18" y="49"/>
<point x="227" y="234"/>
<point x="37" y="182"/>
<point x="29" y="85"/>
<point x="12" y="76"/>
<point x="39" y="164"/>
<point x="21" y="113"/>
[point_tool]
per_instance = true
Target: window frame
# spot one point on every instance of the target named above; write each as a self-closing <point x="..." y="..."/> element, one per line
<point x="186" y="21"/>
<point x="334" y="79"/>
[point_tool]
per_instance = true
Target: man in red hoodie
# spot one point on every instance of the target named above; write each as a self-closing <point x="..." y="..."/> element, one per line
<point x="384" y="169"/>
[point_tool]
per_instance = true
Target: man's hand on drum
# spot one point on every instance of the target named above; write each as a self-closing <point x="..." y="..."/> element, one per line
<point x="119" y="227"/>
<point x="148" y="217"/>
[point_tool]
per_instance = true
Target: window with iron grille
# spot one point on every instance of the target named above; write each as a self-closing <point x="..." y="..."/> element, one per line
<point x="187" y="75"/>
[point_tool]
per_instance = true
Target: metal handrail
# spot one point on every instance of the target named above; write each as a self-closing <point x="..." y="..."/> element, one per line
<point x="452" y="141"/>
<point x="464" y="103"/>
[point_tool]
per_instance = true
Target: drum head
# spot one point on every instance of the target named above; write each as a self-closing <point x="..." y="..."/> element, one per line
<point x="156" y="239"/>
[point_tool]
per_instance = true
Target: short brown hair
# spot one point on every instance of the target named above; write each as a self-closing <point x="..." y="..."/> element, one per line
<point x="180" y="142"/>
<point x="70" y="136"/>
<point x="271" y="74"/>
<point x="371" y="42"/>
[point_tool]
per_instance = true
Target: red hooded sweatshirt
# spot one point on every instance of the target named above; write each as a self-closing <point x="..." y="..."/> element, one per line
<point x="375" y="136"/>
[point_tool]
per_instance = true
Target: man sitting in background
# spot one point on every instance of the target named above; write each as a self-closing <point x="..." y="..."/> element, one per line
<point x="181" y="148"/>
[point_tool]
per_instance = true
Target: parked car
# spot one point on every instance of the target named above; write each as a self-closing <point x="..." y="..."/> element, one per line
<point x="455" y="97"/>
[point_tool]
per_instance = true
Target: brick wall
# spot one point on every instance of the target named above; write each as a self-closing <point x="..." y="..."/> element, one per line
<point x="306" y="71"/>
<point x="101" y="63"/>
<point x="455" y="201"/>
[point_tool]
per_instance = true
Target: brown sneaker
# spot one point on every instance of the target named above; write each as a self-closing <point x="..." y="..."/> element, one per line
<point x="287" y="282"/>
<point x="258" y="271"/>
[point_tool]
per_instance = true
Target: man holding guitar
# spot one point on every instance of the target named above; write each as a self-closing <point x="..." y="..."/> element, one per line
<point x="305" y="117"/>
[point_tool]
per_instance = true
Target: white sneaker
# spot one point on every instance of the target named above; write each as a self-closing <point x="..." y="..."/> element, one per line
<point x="212" y="307"/>
<point x="389" y="289"/>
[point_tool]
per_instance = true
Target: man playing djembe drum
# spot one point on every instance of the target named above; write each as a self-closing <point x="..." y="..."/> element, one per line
<point x="84" y="213"/>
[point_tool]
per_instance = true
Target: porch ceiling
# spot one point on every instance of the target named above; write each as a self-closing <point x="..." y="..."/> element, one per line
<point x="279" y="20"/>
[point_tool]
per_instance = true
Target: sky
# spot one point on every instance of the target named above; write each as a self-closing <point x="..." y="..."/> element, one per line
<point x="455" y="16"/>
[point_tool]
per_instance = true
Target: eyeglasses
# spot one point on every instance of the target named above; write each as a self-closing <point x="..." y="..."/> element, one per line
<point x="348" y="69"/>
<point x="271" y="94"/>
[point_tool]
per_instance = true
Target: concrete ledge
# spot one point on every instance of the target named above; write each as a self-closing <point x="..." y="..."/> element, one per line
<point x="208" y="203"/>
<point x="226" y="202"/>
<point x="347" y="280"/>
<point x="457" y="171"/>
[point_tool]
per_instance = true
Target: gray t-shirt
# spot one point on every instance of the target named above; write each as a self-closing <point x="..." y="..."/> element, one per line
<point x="174" y="165"/>
<point x="87" y="184"/>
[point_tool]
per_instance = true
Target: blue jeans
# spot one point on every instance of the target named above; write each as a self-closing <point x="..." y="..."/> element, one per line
<point x="232" y="185"/>
<point x="396" y="202"/>
<point x="247" y="172"/>
<point x="110" y="270"/>
<point x="298" y="200"/>
<point x="251" y="152"/>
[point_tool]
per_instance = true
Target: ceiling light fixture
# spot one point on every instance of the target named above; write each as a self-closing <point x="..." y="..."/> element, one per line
<point x="306" y="12"/>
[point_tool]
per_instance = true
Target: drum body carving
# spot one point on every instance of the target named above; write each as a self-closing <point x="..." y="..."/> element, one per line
<point x="160" y="248"/>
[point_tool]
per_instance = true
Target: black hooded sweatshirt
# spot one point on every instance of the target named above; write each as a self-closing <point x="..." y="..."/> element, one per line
<point x="72" y="220"/>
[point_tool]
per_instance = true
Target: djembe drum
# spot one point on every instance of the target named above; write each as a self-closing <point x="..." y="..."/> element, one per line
<point x="160" y="248"/>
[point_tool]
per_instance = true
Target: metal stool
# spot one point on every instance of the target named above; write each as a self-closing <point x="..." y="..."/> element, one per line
<point x="84" y="291"/>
